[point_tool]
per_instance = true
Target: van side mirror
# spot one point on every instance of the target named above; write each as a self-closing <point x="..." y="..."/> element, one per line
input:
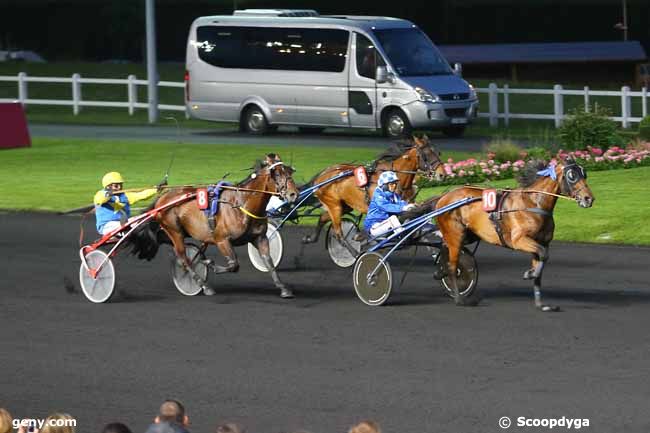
<point x="458" y="69"/>
<point x="382" y="75"/>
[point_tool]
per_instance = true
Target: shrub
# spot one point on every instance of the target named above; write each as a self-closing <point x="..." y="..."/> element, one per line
<point x="644" y="128"/>
<point x="537" y="152"/>
<point x="503" y="149"/>
<point x="581" y="129"/>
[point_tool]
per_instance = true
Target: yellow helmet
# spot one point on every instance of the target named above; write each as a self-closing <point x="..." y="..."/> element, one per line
<point x="112" y="177"/>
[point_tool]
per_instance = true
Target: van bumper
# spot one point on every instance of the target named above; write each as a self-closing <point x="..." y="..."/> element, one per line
<point x="423" y="115"/>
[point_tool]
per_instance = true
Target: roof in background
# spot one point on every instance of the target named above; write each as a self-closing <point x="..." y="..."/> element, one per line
<point x="562" y="52"/>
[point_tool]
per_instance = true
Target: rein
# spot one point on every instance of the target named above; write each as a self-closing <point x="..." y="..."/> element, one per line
<point x="532" y="191"/>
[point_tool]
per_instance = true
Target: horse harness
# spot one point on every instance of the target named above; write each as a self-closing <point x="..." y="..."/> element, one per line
<point x="496" y="215"/>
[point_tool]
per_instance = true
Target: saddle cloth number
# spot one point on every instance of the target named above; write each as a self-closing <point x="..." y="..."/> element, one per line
<point x="489" y="200"/>
<point x="202" y="198"/>
<point x="360" y="176"/>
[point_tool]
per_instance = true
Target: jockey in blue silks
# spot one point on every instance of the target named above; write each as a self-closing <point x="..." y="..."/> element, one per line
<point x="385" y="205"/>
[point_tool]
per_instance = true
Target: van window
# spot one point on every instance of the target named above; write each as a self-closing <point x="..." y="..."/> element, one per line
<point x="273" y="48"/>
<point x="412" y="53"/>
<point x="366" y="57"/>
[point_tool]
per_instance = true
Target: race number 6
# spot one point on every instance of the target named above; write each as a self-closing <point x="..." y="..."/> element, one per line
<point x="489" y="200"/>
<point x="202" y="198"/>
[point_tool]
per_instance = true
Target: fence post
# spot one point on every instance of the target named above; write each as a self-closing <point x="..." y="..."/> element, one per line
<point x="493" y="103"/>
<point x="558" y="105"/>
<point x="133" y="93"/>
<point x="625" y="106"/>
<point x="76" y="94"/>
<point x="586" y="99"/>
<point x="22" y="88"/>
<point x="644" y="101"/>
<point x="506" y="105"/>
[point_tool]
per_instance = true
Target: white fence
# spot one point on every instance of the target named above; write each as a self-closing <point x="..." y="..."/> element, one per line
<point x="492" y="113"/>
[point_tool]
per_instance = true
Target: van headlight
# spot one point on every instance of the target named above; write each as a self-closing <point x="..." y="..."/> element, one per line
<point x="472" y="92"/>
<point x="425" y="96"/>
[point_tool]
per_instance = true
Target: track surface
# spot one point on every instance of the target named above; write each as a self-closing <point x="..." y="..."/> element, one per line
<point x="324" y="360"/>
<point x="230" y="135"/>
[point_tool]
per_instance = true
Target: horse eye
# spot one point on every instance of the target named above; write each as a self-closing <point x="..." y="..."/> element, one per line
<point x="571" y="176"/>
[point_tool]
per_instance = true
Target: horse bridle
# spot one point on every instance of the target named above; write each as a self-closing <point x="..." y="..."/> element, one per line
<point x="282" y="189"/>
<point x="572" y="174"/>
<point x="426" y="166"/>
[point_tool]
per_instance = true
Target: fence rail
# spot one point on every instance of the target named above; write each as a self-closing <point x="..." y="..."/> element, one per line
<point x="493" y="92"/>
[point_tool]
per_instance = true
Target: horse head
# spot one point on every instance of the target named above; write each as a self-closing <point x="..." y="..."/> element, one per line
<point x="429" y="160"/>
<point x="281" y="175"/>
<point x="573" y="182"/>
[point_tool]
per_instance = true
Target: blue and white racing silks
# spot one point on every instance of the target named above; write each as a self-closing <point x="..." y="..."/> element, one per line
<point x="382" y="206"/>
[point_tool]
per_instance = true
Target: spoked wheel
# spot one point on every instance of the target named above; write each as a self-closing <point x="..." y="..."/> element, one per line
<point x="466" y="274"/>
<point x="338" y="252"/>
<point x="373" y="279"/>
<point x="182" y="278"/>
<point x="100" y="287"/>
<point x="276" y="247"/>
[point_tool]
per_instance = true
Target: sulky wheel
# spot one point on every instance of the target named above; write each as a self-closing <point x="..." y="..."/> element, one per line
<point x="276" y="247"/>
<point x="339" y="253"/>
<point x="182" y="278"/>
<point x="372" y="288"/>
<point x="98" y="288"/>
<point x="466" y="274"/>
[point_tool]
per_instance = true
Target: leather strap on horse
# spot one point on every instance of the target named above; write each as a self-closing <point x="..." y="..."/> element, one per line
<point x="495" y="217"/>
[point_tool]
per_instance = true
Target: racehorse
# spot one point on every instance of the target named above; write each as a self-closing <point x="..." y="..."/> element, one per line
<point x="522" y="221"/>
<point x="240" y="219"/>
<point x="406" y="159"/>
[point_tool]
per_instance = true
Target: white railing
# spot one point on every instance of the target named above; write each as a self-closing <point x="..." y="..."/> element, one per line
<point x="558" y="93"/>
<point x="77" y="101"/>
<point x="493" y="92"/>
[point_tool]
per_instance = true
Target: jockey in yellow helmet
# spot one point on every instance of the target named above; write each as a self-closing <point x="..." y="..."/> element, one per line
<point x="111" y="205"/>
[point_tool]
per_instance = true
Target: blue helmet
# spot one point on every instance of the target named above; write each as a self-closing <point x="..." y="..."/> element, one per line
<point x="387" y="177"/>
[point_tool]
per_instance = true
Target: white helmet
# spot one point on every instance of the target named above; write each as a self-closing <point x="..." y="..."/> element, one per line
<point x="387" y="177"/>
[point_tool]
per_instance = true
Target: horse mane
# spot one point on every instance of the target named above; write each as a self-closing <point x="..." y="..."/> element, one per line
<point x="257" y="166"/>
<point x="529" y="175"/>
<point x="394" y="151"/>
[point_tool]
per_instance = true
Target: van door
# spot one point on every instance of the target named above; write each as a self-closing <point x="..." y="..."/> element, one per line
<point x="362" y="94"/>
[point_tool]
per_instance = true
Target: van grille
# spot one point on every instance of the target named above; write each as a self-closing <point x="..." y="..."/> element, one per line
<point x="455" y="112"/>
<point x="452" y="96"/>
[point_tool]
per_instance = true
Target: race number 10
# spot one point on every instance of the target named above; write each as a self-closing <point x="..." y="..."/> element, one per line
<point x="489" y="199"/>
<point x="202" y="198"/>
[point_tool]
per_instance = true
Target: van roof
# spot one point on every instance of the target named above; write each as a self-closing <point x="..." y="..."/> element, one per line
<point x="349" y="22"/>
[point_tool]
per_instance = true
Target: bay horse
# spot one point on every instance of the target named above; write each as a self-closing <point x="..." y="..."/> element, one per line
<point x="522" y="221"/>
<point x="407" y="159"/>
<point x="239" y="220"/>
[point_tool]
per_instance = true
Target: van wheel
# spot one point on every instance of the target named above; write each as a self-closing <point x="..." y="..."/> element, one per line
<point x="396" y="124"/>
<point x="254" y="121"/>
<point x="310" y="129"/>
<point x="454" y="131"/>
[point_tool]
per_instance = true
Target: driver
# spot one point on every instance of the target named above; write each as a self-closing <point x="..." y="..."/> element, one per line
<point x="111" y="204"/>
<point x="385" y="205"/>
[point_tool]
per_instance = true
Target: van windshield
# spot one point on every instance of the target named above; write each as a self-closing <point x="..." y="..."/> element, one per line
<point x="412" y="53"/>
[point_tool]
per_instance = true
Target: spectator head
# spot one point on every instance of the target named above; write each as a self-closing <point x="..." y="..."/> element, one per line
<point x="172" y="411"/>
<point x="116" y="427"/>
<point x="6" y="421"/>
<point x="59" y="423"/>
<point x="366" y="426"/>
<point x="229" y="428"/>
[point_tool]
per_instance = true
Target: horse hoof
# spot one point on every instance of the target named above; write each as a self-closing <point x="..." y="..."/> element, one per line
<point x="286" y="294"/>
<point x="549" y="308"/>
<point x="208" y="291"/>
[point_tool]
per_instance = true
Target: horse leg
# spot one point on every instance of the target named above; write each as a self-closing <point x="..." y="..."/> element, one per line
<point x="178" y="242"/>
<point x="226" y="249"/>
<point x="313" y="237"/>
<point x="262" y="244"/>
<point x="454" y="234"/>
<point x="540" y="256"/>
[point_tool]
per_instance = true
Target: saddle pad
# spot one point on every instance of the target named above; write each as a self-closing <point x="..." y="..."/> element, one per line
<point x="214" y="192"/>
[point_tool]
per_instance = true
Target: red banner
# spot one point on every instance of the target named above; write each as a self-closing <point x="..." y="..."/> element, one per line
<point x="13" y="126"/>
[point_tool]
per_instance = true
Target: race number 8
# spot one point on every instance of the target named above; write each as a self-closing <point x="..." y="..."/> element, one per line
<point x="202" y="198"/>
<point x="489" y="199"/>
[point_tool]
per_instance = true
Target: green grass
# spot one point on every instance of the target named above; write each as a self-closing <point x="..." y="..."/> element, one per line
<point x="61" y="174"/>
<point x="536" y="131"/>
<point x="619" y="214"/>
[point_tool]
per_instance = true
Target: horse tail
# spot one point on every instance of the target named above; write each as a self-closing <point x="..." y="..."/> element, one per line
<point x="146" y="240"/>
